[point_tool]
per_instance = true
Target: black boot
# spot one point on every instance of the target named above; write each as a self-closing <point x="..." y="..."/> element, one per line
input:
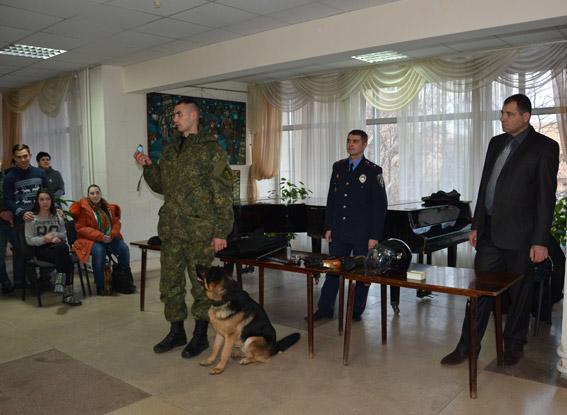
<point x="199" y="342"/>
<point x="176" y="337"/>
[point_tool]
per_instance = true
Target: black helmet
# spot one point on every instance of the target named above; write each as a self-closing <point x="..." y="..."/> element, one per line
<point x="389" y="255"/>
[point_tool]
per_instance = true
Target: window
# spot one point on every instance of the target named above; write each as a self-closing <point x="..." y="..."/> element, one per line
<point x="443" y="123"/>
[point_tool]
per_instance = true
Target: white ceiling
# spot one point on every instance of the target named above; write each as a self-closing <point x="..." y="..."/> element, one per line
<point x="124" y="32"/>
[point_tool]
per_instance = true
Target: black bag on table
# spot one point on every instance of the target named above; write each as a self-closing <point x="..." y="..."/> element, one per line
<point x="253" y="246"/>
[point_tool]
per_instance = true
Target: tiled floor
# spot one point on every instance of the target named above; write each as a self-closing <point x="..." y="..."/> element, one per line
<point x="403" y="377"/>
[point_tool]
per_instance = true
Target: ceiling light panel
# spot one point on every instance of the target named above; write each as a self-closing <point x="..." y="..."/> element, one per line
<point x="28" y="51"/>
<point x="385" y="56"/>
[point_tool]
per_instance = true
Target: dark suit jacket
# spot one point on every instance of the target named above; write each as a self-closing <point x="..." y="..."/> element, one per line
<point x="524" y="196"/>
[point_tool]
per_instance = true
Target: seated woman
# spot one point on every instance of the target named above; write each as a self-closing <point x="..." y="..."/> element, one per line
<point x="98" y="230"/>
<point x="46" y="232"/>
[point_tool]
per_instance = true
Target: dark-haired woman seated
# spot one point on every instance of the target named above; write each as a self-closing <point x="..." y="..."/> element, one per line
<point x="46" y="232"/>
<point x="98" y="230"/>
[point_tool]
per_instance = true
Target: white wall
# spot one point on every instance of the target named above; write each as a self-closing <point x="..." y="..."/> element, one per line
<point x="118" y="126"/>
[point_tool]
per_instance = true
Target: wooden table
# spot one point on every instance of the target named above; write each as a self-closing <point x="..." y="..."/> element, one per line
<point x="262" y="264"/>
<point x="144" y="246"/>
<point x="456" y="281"/>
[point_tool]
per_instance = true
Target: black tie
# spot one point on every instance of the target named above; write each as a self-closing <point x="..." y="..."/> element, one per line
<point x="350" y="167"/>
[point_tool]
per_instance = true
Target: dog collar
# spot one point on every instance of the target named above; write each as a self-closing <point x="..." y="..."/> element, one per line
<point x="217" y="303"/>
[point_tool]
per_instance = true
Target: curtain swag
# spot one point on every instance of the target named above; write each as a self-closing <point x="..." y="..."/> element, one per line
<point x="49" y="93"/>
<point x="390" y="87"/>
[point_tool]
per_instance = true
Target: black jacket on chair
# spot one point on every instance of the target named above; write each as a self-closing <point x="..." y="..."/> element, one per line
<point x="524" y="196"/>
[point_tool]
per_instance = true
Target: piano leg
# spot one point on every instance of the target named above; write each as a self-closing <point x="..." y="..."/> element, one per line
<point x="315" y="245"/>
<point x="452" y="256"/>
<point x="423" y="293"/>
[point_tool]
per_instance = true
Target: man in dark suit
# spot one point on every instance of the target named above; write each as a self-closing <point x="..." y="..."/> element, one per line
<point x="512" y="220"/>
<point x="354" y="217"/>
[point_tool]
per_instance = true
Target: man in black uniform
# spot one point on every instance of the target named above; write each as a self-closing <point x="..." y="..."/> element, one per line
<point x="354" y="219"/>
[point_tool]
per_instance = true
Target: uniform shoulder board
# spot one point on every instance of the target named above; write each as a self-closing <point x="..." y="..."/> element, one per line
<point x="368" y="163"/>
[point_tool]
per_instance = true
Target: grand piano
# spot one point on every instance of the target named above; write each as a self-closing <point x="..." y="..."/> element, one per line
<point x="424" y="228"/>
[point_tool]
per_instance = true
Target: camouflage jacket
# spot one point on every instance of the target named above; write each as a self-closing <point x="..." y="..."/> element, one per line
<point x="196" y="182"/>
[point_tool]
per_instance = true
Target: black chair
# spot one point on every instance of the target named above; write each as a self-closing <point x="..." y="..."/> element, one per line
<point x="35" y="271"/>
<point x="71" y="238"/>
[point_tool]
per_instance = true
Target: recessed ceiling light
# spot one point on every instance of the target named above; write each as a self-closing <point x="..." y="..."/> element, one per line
<point x="387" y="55"/>
<point x="31" y="51"/>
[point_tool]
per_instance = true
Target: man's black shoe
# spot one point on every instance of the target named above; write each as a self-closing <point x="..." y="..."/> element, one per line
<point x="511" y="357"/>
<point x="454" y="358"/>
<point x="198" y="342"/>
<point x="175" y="338"/>
<point x="318" y="315"/>
<point x="7" y="287"/>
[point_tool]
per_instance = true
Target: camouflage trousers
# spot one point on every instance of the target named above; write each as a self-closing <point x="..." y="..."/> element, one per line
<point x="178" y="255"/>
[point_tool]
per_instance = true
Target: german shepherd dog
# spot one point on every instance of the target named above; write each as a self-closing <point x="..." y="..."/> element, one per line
<point x="239" y="321"/>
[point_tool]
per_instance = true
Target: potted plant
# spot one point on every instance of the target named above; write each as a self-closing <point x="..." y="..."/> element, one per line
<point x="290" y="192"/>
<point x="559" y="225"/>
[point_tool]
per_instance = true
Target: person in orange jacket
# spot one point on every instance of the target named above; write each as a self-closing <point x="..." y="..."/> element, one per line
<point x="98" y="230"/>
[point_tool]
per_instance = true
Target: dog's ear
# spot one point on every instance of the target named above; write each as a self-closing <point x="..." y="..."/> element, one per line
<point x="201" y="273"/>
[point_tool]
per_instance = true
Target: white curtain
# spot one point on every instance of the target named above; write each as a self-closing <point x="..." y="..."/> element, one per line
<point x="392" y="86"/>
<point x="60" y="136"/>
<point x="443" y="136"/>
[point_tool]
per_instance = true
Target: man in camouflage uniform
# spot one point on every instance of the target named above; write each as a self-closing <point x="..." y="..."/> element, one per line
<point x="196" y="182"/>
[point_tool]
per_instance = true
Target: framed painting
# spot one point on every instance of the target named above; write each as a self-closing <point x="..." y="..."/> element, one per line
<point x="226" y="120"/>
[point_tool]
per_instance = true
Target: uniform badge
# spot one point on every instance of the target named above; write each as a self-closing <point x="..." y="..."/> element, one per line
<point x="380" y="180"/>
<point x="362" y="178"/>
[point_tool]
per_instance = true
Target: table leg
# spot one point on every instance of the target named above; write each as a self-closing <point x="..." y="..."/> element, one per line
<point x="498" y="330"/>
<point x="384" y="311"/>
<point x="143" y="279"/>
<point x="472" y="347"/>
<point x="341" y="303"/>
<point x="261" y="285"/>
<point x="348" y="323"/>
<point x="310" y="315"/>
